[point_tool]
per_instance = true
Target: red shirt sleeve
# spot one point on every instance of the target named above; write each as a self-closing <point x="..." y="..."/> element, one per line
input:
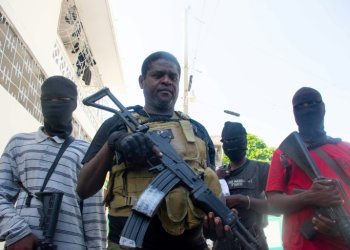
<point x="276" y="180"/>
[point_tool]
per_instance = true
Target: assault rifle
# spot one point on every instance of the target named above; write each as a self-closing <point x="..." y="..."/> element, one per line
<point x="48" y="217"/>
<point x="172" y="170"/>
<point x="294" y="147"/>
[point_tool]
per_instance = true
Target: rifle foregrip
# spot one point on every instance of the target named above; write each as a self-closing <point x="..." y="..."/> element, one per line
<point x="208" y="202"/>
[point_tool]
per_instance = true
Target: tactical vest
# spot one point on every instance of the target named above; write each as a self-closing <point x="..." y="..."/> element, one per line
<point x="177" y="212"/>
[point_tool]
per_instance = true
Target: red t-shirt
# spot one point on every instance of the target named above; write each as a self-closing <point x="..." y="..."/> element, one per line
<point x="278" y="180"/>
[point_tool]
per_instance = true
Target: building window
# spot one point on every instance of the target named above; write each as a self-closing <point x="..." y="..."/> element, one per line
<point x="71" y="32"/>
<point x="21" y="75"/>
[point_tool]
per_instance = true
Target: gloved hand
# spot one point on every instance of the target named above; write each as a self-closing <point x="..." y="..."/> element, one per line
<point x="131" y="147"/>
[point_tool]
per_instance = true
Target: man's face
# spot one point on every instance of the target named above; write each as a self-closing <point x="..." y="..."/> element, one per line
<point x="161" y="85"/>
<point x="57" y="112"/>
<point x="235" y="148"/>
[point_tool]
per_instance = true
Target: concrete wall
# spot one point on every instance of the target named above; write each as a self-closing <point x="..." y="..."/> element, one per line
<point x="14" y="118"/>
<point x="36" y="24"/>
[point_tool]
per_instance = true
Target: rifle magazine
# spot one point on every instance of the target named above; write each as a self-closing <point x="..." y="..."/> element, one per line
<point x="134" y="230"/>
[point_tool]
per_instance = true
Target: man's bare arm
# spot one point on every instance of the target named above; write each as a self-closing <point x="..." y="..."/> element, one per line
<point x="92" y="176"/>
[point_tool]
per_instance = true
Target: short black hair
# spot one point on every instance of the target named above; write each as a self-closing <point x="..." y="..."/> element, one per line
<point x="158" y="55"/>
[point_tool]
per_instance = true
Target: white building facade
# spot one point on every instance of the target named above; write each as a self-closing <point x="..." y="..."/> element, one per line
<point x="41" y="38"/>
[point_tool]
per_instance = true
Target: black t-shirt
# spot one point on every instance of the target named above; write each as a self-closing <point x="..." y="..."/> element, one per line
<point x="157" y="238"/>
<point x="249" y="179"/>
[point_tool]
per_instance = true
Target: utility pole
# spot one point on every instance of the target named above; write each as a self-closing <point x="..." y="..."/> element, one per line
<point x="185" y="101"/>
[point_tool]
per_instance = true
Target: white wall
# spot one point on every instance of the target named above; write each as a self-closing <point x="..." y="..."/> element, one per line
<point x="14" y="118"/>
<point x="37" y="22"/>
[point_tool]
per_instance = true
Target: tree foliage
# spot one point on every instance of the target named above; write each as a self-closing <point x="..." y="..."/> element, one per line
<point x="257" y="150"/>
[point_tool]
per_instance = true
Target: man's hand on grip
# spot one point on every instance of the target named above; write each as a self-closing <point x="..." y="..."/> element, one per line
<point x="325" y="225"/>
<point x="131" y="147"/>
<point x="214" y="229"/>
<point x="324" y="193"/>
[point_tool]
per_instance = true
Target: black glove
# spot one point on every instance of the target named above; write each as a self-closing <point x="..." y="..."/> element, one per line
<point x="131" y="147"/>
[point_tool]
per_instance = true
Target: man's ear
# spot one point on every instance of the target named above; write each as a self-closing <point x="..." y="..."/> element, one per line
<point x="141" y="79"/>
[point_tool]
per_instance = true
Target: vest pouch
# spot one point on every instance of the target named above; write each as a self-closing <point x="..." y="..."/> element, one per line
<point x="212" y="181"/>
<point x="127" y="188"/>
<point x="176" y="204"/>
<point x="173" y="211"/>
<point x="195" y="215"/>
<point x="178" y="213"/>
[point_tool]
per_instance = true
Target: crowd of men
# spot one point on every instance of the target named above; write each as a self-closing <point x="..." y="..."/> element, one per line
<point x="51" y="183"/>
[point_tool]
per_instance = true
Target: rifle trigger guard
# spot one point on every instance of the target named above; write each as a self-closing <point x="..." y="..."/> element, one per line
<point x="157" y="168"/>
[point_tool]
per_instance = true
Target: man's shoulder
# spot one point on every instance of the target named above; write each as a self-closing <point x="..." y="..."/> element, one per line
<point x="198" y="125"/>
<point x="112" y="120"/>
<point x="110" y="125"/>
<point x="23" y="137"/>
<point x="182" y="115"/>
<point x="343" y="144"/>
<point x="79" y="143"/>
<point x="25" y="134"/>
<point x="340" y="148"/>
<point x="259" y="164"/>
<point x="21" y="142"/>
<point x="198" y="128"/>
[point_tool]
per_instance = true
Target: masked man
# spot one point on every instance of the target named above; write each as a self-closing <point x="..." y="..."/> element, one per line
<point x="246" y="180"/>
<point x="332" y="158"/>
<point x="24" y="168"/>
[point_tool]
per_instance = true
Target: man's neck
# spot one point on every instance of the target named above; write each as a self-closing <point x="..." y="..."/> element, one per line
<point x="151" y="111"/>
<point x="45" y="132"/>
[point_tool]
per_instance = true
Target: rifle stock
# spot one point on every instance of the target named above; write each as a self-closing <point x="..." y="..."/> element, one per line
<point x="294" y="147"/>
<point x="172" y="170"/>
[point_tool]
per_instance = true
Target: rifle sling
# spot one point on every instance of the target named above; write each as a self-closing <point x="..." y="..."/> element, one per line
<point x="331" y="163"/>
<point x="326" y="158"/>
<point x="336" y="168"/>
<point x="64" y="146"/>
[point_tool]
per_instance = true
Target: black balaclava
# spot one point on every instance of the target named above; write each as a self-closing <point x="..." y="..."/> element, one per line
<point x="309" y="111"/>
<point x="234" y="141"/>
<point x="58" y="101"/>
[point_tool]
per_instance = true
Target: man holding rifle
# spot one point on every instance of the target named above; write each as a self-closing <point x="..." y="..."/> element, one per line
<point x="114" y="149"/>
<point x="40" y="210"/>
<point x="246" y="181"/>
<point x="307" y="196"/>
